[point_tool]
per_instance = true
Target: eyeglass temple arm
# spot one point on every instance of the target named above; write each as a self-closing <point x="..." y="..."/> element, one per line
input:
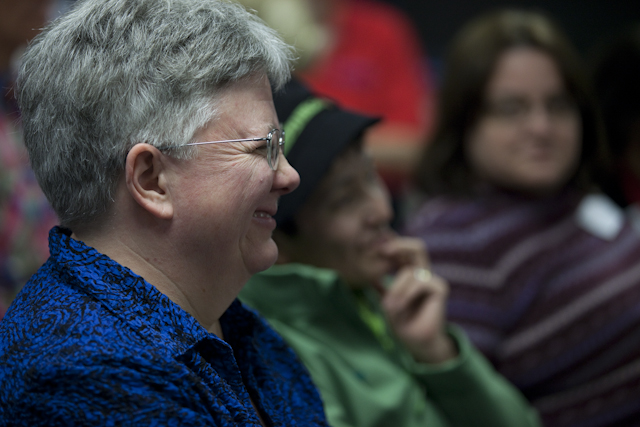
<point x="226" y="140"/>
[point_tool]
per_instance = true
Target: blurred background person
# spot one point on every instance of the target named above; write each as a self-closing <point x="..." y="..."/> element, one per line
<point x="25" y="214"/>
<point x="380" y="351"/>
<point x="617" y="83"/>
<point x="367" y="56"/>
<point x="543" y="267"/>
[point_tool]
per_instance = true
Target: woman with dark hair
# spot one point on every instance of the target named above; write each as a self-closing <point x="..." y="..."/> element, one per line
<point x="478" y="51"/>
<point x="542" y="266"/>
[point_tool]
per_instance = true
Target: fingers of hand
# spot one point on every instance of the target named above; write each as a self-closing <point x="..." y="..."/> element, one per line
<point x="409" y="295"/>
<point x="422" y="274"/>
<point x="415" y="308"/>
<point x="407" y="251"/>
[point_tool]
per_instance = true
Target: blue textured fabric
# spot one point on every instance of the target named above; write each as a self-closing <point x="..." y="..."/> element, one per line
<point x="88" y="342"/>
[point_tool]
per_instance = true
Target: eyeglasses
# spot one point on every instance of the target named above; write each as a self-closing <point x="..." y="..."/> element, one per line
<point x="273" y="149"/>
<point x="517" y="110"/>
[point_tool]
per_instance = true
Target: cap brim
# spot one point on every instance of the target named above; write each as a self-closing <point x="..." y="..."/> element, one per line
<point x="324" y="138"/>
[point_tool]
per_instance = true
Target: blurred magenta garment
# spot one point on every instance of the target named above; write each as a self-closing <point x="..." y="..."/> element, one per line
<point x="25" y="215"/>
<point x="553" y="305"/>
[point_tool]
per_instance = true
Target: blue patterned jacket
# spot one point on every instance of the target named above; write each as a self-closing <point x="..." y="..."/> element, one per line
<point x="88" y="342"/>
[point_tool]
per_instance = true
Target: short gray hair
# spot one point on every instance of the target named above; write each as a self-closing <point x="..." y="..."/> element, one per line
<point x="113" y="73"/>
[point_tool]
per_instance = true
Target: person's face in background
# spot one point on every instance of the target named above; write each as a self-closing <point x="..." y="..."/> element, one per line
<point x="528" y="137"/>
<point x="345" y="222"/>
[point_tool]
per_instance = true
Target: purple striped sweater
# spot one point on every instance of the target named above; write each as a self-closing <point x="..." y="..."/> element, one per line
<point x="554" y="306"/>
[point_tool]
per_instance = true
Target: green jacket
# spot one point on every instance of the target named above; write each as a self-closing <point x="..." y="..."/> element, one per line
<point x="365" y="377"/>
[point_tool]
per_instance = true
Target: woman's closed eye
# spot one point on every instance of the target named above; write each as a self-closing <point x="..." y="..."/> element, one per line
<point x="508" y="108"/>
<point x="344" y="201"/>
<point x="262" y="148"/>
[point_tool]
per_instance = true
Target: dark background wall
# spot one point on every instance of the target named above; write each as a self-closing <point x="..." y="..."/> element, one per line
<point x="586" y="22"/>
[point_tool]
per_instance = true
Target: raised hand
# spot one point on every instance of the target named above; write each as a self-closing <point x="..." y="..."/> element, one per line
<point x="415" y="302"/>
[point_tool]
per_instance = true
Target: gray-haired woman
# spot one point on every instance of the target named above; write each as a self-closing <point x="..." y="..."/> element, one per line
<point x="151" y="129"/>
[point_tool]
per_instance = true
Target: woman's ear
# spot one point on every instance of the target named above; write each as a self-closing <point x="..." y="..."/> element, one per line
<point x="146" y="179"/>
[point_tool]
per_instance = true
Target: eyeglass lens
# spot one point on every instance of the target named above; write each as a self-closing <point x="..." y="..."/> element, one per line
<point x="275" y="140"/>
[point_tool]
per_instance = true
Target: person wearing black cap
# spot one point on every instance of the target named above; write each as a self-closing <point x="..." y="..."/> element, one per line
<point x="379" y="350"/>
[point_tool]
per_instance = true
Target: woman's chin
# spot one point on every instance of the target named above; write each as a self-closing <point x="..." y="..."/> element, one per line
<point x="369" y="276"/>
<point x="263" y="260"/>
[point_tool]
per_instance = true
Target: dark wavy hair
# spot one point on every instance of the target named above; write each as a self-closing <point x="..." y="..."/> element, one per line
<point x="443" y="167"/>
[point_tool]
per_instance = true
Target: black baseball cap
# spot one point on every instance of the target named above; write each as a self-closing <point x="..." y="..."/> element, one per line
<point x="317" y="131"/>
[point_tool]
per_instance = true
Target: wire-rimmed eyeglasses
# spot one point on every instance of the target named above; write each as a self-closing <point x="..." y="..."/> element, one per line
<point x="273" y="150"/>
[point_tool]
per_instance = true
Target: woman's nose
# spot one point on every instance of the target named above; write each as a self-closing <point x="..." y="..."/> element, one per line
<point x="539" y="121"/>
<point x="286" y="177"/>
<point x="379" y="209"/>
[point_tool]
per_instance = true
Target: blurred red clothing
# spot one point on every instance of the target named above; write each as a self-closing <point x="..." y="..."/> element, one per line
<point x="375" y="66"/>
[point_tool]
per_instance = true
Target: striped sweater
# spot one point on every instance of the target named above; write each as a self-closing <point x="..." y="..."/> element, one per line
<point x="550" y="291"/>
